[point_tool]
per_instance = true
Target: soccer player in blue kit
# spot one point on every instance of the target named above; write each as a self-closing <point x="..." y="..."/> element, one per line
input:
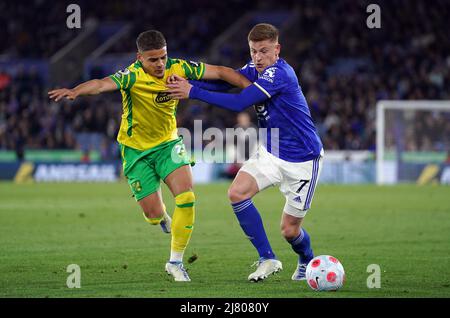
<point x="293" y="161"/>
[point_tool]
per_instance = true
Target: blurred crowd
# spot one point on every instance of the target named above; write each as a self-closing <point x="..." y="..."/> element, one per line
<point x="418" y="130"/>
<point x="408" y="58"/>
<point x="344" y="67"/>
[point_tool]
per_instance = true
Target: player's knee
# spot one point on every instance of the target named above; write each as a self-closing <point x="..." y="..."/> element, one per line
<point x="153" y="212"/>
<point x="153" y="220"/>
<point x="185" y="199"/>
<point x="236" y="194"/>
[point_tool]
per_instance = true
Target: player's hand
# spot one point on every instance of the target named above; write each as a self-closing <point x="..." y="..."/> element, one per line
<point x="179" y="90"/>
<point x="58" y="94"/>
<point x="172" y="79"/>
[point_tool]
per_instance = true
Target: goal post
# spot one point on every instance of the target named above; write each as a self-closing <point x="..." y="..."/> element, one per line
<point x="412" y="141"/>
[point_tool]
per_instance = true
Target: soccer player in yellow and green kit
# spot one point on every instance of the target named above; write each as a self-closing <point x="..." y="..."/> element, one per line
<point x="150" y="146"/>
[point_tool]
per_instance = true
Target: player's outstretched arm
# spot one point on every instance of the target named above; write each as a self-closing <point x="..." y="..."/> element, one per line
<point x="215" y="72"/>
<point x="210" y="85"/>
<point x="235" y="102"/>
<point x="92" y="87"/>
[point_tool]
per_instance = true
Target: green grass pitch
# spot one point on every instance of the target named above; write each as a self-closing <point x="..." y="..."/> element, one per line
<point x="45" y="227"/>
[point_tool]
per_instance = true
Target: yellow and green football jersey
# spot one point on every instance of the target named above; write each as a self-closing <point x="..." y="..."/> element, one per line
<point x="148" y="117"/>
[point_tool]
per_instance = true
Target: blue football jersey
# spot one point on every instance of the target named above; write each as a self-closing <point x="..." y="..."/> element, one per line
<point x="286" y="109"/>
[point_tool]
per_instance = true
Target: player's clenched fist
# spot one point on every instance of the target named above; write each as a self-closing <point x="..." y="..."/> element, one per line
<point x="58" y="94"/>
<point x="179" y="89"/>
<point x="172" y="79"/>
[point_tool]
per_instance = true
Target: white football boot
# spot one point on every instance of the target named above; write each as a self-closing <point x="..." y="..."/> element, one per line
<point x="178" y="272"/>
<point x="265" y="268"/>
<point x="300" y="272"/>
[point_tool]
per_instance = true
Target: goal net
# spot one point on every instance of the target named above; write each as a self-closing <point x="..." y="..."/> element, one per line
<point x="413" y="142"/>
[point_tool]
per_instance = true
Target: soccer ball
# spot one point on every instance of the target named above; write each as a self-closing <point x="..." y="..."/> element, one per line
<point x="325" y="273"/>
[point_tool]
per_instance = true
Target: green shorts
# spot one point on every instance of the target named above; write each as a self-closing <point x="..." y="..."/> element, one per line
<point x="145" y="169"/>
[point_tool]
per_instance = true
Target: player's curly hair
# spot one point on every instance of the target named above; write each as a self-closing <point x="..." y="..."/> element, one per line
<point x="150" y="40"/>
<point x="263" y="31"/>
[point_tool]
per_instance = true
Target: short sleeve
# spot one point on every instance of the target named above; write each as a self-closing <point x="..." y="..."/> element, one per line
<point x="272" y="81"/>
<point x="193" y="70"/>
<point x="124" y="79"/>
<point x="248" y="70"/>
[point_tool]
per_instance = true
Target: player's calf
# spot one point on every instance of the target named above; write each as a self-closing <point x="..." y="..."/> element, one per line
<point x="182" y="225"/>
<point x="164" y="221"/>
<point x="301" y="244"/>
<point x="162" y="218"/>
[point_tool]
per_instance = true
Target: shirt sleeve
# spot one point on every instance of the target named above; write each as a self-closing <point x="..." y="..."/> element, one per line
<point x="272" y="81"/>
<point x="124" y="79"/>
<point x="193" y="70"/>
<point x="212" y="85"/>
<point x="248" y="71"/>
<point x="222" y="86"/>
<point x="236" y="102"/>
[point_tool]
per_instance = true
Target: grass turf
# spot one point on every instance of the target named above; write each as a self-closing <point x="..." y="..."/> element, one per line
<point x="45" y="227"/>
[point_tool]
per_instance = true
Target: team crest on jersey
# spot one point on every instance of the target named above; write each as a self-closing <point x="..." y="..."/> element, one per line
<point x="136" y="186"/>
<point x="269" y="74"/>
<point x="162" y="97"/>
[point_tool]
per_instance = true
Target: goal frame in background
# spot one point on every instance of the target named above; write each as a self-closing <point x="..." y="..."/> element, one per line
<point x="381" y="107"/>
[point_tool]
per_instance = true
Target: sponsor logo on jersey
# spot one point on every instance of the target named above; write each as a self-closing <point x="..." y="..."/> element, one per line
<point x="162" y="97"/>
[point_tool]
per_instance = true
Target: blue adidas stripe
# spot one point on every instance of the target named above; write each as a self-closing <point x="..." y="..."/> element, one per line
<point x="313" y="183"/>
<point x="298" y="239"/>
<point x="241" y="205"/>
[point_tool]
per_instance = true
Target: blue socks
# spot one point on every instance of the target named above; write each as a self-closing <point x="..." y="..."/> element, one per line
<point x="253" y="227"/>
<point x="302" y="246"/>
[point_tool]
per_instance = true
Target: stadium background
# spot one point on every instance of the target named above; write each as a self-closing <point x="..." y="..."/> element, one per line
<point x="344" y="68"/>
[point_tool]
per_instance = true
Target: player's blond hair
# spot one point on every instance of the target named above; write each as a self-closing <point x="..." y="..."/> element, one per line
<point x="263" y="31"/>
